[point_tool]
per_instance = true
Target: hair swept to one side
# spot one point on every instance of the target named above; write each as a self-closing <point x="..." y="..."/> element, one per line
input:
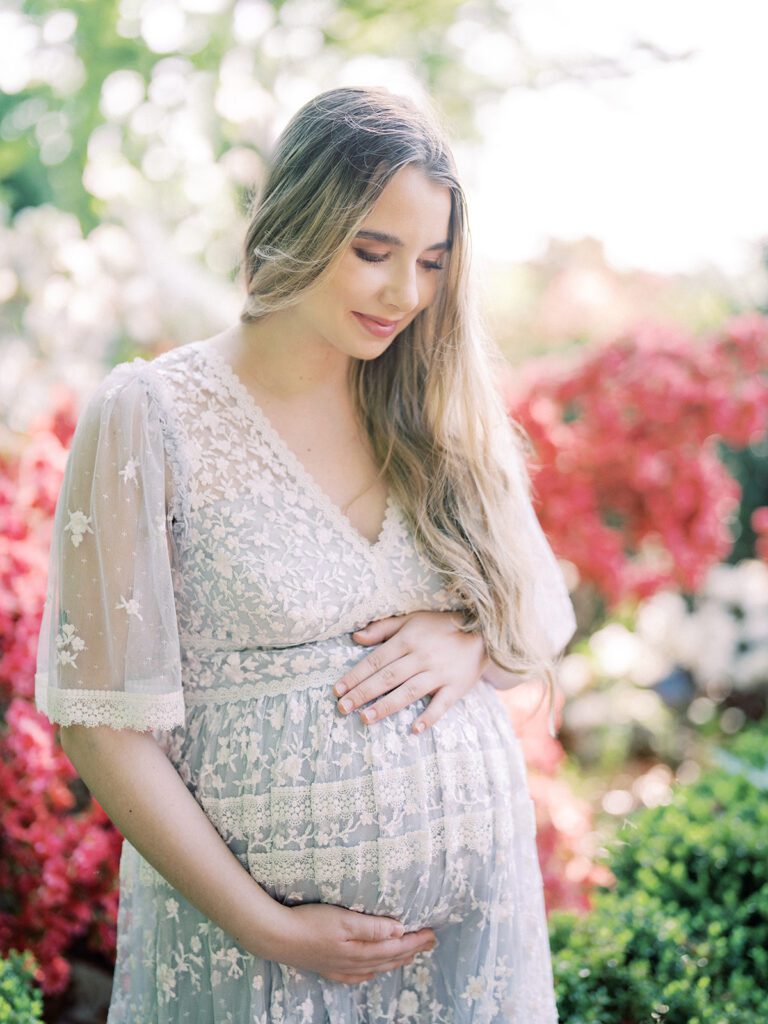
<point x="430" y="403"/>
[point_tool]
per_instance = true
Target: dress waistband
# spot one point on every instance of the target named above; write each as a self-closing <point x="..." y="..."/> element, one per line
<point x="217" y="671"/>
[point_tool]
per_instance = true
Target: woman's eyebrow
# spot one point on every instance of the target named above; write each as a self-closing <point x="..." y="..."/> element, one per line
<point x="382" y="236"/>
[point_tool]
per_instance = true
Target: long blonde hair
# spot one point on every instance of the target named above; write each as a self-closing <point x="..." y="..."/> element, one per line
<point x="430" y="403"/>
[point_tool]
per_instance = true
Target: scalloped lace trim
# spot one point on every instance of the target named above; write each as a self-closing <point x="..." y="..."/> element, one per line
<point x="409" y="787"/>
<point x="113" y="708"/>
<point x="474" y="832"/>
<point x="332" y="865"/>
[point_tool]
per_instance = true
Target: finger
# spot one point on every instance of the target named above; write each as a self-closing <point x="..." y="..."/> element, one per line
<point x="365" y="954"/>
<point x="441" y="701"/>
<point x="387" y="675"/>
<point x="402" y="962"/>
<point x="425" y="946"/>
<point x="379" y="630"/>
<point x="373" y="662"/>
<point x="413" y="689"/>
<point x="357" y="979"/>
<point x="366" y="928"/>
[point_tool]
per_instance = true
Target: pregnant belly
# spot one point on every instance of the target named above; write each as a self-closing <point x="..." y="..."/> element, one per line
<point x="320" y="807"/>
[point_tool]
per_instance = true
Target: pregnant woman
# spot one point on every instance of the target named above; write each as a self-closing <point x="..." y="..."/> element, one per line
<point x="322" y="824"/>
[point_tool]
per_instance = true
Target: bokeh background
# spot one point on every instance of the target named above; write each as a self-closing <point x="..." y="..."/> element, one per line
<point x="616" y="169"/>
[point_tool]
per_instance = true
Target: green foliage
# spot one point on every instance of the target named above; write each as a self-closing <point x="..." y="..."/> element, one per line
<point x="20" y="1000"/>
<point x="108" y="37"/>
<point x="683" y="936"/>
<point x="750" y="467"/>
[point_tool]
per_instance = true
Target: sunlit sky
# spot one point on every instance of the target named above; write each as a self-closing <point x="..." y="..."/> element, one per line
<point x="669" y="168"/>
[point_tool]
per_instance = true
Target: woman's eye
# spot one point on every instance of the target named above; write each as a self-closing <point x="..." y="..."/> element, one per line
<point x="371" y="258"/>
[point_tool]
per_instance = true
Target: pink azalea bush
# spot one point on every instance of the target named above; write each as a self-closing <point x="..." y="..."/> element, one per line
<point x="58" y="864"/>
<point x="565" y="836"/>
<point x="58" y="851"/>
<point x="629" y="484"/>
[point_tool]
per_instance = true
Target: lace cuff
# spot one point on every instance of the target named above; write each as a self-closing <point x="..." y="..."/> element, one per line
<point x="114" y="708"/>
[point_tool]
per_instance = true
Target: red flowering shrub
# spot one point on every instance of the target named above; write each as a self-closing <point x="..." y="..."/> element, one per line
<point x="58" y="851"/>
<point x="565" y="836"/>
<point x="630" y="485"/>
<point x="31" y="470"/>
<point x="57" y="862"/>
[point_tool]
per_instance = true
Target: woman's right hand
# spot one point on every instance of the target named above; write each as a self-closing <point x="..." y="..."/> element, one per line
<point x="347" y="946"/>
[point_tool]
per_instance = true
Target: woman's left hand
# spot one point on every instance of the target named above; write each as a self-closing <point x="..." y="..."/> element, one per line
<point x="421" y="653"/>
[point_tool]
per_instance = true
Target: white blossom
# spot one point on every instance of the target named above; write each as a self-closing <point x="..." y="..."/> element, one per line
<point x="79" y="524"/>
<point x="128" y="472"/>
<point x="475" y="988"/>
<point x="67" y="638"/>
<point x="408" y="1004"/>
<point x="132" y="606"/>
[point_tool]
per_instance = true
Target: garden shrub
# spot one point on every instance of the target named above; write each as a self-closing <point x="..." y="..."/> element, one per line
<point x="682" y="937"/>
<point x="628" y="438"/>
<point x="59" y="852"/>
<point x="20" y="1000"/>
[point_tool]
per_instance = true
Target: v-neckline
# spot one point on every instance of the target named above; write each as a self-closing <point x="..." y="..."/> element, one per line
<point x="248" y="404"/>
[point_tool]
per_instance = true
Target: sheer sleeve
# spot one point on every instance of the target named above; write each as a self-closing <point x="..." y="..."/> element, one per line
<point x="108" y="651"/>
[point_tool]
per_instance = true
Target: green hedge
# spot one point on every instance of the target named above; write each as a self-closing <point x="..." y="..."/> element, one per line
<point x="683" y="936"/>
<point x="20" y="1000"/>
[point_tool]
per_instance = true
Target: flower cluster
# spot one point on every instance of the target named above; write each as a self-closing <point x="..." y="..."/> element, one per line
<point x="31" y="470"/>
<point x="58" y="861"/>
<point x="719" y="635"/>
<point x="629" y="484"/>
<point x="58" y="852"/>
<point x="565" y="834"/>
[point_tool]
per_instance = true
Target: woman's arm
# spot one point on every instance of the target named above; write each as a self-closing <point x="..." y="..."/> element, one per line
<point x="145" y="797"/>
<point x="499" y="677"/>
<point x="147" y="800"/>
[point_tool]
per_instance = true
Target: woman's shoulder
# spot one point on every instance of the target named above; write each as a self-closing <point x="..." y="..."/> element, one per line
<point x="158" y="379"/>
<point x="146" y="406"/>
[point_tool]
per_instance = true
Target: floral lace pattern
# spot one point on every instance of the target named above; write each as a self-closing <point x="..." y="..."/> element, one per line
<point x="269" y="579"/>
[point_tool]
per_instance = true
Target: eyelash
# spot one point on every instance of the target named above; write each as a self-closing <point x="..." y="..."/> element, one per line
<point x="380" y="259"/>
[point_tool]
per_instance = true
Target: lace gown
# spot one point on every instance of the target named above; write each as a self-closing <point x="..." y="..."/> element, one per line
<point x="202" y="586"/>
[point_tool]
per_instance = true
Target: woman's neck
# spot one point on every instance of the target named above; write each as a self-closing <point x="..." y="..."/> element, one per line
<point x="273" y="357"/>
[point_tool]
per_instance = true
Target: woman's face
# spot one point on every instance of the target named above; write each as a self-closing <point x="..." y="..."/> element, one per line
<point x="390" y="272"/>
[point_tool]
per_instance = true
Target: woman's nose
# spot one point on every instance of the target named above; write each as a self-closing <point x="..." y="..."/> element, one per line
<point x="402" y="291"/>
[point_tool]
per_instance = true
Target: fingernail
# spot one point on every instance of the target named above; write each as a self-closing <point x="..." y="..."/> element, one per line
<point x="345" y="705"/>
<point x="339" y="689"/>
<point x="419" y="727"/>
<point x="368" y="715"/>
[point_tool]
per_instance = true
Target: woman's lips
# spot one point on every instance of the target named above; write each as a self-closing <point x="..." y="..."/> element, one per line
<point x="375" y="327"/>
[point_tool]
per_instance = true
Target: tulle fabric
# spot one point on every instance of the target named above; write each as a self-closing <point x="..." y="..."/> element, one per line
<point x="108" y="649"/>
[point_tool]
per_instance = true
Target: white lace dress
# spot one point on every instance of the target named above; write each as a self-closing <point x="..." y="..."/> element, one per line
<point x="203" y="586"/>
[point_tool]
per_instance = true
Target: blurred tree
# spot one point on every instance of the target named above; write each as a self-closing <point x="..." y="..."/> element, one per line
<point x="238" y="67"/>
<point x="133" y="131"/>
